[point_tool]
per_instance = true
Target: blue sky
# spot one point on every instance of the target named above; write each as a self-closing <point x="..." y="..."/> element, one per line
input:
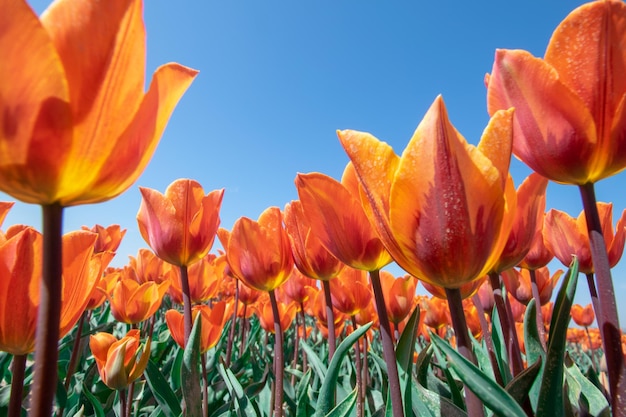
<point x="278" y="78"/>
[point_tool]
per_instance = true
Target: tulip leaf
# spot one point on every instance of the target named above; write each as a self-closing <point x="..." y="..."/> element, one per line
<point x="95" y="403"/>
<point x="519" y="386"/>
<point x="404" y="357"/>
<point x="326" y="397"/>
<point x="163" y="394"/>
<point x="190" y="373"/>
<point x="430" y="403"/>
<point x="302" y="398"/>
<point x="550" y="401"/>
<point x="243" y="406"/>
<point x="314" y="361"/>
<point x="485" y="388"/>
<point x="345" y="407"/>
<point x="499" y="345"/>
<point x="532" y="341"/>
<point x="583" y="390"/>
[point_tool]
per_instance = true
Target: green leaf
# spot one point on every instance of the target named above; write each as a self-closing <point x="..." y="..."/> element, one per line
<point x="344" y="408"/>
<point x="302" y="398"/>
<point x="585" y="390"/>
<point x="433" y="404"/>
<point x="314" y="361"/>
<point x="326" y="397"/>
<point x="502" y="357"/>
<point x="489" y="392"/>
<point x="95" y="403"/>
<point x="519" y="387"/>
<point x="243" y="406"/>
<point x="550" y="401"/>
<point x="404" y="357"/>
<point x="190" y="373"/>
<point x="161" y="390"/>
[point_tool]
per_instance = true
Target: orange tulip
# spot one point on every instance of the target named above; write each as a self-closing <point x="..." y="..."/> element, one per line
<point x="309" y="255"/>
<point x="5" y="206"/>
<point x="263" y="311"/>
<point x="149" y="267"/>
<point x="317" y="309"/>
<point x="531" y="204"/>
<point x="350" y="291"/>
<point x="337" y="218"/>
<point x="566" y="236"/>
<point x="467" y="290"/>
<point x="213" y="320"/>
<point x="399" y="295"/>
<point x="518" y="284"/>
<point x="259" y="252"/>
<point x="539" y="253"/>
<point x="180" y="225"/>
<point x="204" y="277"/>
<point x="437" y="313"/>
<point x="569" y="117"/>
<point x="117" y="360"/>
<point x="442" y="198"/>
<point x="20" y="267"/>
<point x="103" y="289"/>
<point x="295" y="288"/>
<point x="77" y="125"/>
<point x="109" y="238"/>
<point x="133" y="303"/>
<point x="582" y="316"/>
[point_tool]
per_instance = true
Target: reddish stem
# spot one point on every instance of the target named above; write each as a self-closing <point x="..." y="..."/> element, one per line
<point x="278" y="358"/>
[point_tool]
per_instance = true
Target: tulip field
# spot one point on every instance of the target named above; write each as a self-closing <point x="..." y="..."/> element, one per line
<point x="297" y="312"/>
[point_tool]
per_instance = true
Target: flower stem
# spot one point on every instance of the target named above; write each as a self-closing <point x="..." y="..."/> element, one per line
<point x="608" y="319"/>
<point x="184" y="281"/>
<point x="305" y="365"/>
<point x="488" y="339"/>
<point x="49" y="313"/>
<point x="278" y="357"/>
<point x="18" y="369"/>
<point x="464" y="344"/>
<point x="541" y="328"/>
<point x="205" y="386"/>
<point x="508" y="327"/>
<point x="330" y="320"/>
<point x="389" y="353"/>
<point x="231" y="331"/>
<point x="357" y="364"/>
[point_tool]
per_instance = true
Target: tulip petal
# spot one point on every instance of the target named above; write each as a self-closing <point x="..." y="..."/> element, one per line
<point x="34" y="109"/>
<point x="552" y="124"/>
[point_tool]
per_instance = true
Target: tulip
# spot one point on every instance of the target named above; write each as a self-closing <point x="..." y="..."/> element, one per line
<point x="180" y="225"/>
<point x="149" y="267"/>
<point x="399" y="295"/>
<point x="204" y="277"/>
<point x="566" y="236"/>
<point x="117" y="360"/>
<point x="295" y="288"/>
<point x="133" y="303"/>
<point x="109" y="238"/>
<point x="518" y="284"/>
<point x="350" y="291"/>
<point x="263" y="310"/>
<point x="539" y="253"/>
<point x="78" y="127"/>
<point x="259" y="254"/>
<point x="569" y="127"/>
<point x="213" y="320"/>
<point x="582" y="316"/>
<point x="442" y="198"/>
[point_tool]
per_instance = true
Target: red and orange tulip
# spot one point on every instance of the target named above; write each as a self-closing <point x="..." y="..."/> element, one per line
<point x="149" y="267"/>
<point x="338" y="219"/>
<point x="263" y="310"/>
<point x="117" y="360"/>
<point x="78" y="127"/>
<point x="569" y="106"/>
<point x="204" y="277"/>
<point x="213" y="319"/>
<point x="180" y="225"/>
<point x="539" y="254"/>
<point x="259" y="252"/>
<point x="566" y="236"/>
<point x="109" y="238"/>
<point x="310" y="256"/>
<point x="350" y="291"/>
<point x="295" y="289"/>
<point x="399" y="295"/>
<point x="518" y="284"/>
<point x="443" y="197"/>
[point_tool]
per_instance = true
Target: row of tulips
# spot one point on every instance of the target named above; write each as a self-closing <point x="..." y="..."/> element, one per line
<point x="445" y="211"/>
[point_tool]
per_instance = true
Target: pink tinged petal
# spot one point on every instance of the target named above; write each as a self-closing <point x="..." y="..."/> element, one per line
<point x="617" y="245"/>
<point x="567" y="238"/>
<point x="554" y="131"/>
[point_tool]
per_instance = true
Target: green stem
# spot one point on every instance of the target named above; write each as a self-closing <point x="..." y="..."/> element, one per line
<point x="330" y="320"/>
<point x="231" y="331"/>
<point x="359" y="377"/>
<point x="18" y="369"/>
<point x="278" y="357"/>
<point x="607" y="316"/>
<point x="464" y="345"/>
<point x="49" y="313"/>
<point x="389" y="353"/>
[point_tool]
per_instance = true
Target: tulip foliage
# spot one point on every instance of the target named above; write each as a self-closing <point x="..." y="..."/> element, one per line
<point x="299" y="313"/>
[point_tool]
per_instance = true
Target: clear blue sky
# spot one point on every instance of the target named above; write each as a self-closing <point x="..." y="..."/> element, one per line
<point x="278" y="78"/>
